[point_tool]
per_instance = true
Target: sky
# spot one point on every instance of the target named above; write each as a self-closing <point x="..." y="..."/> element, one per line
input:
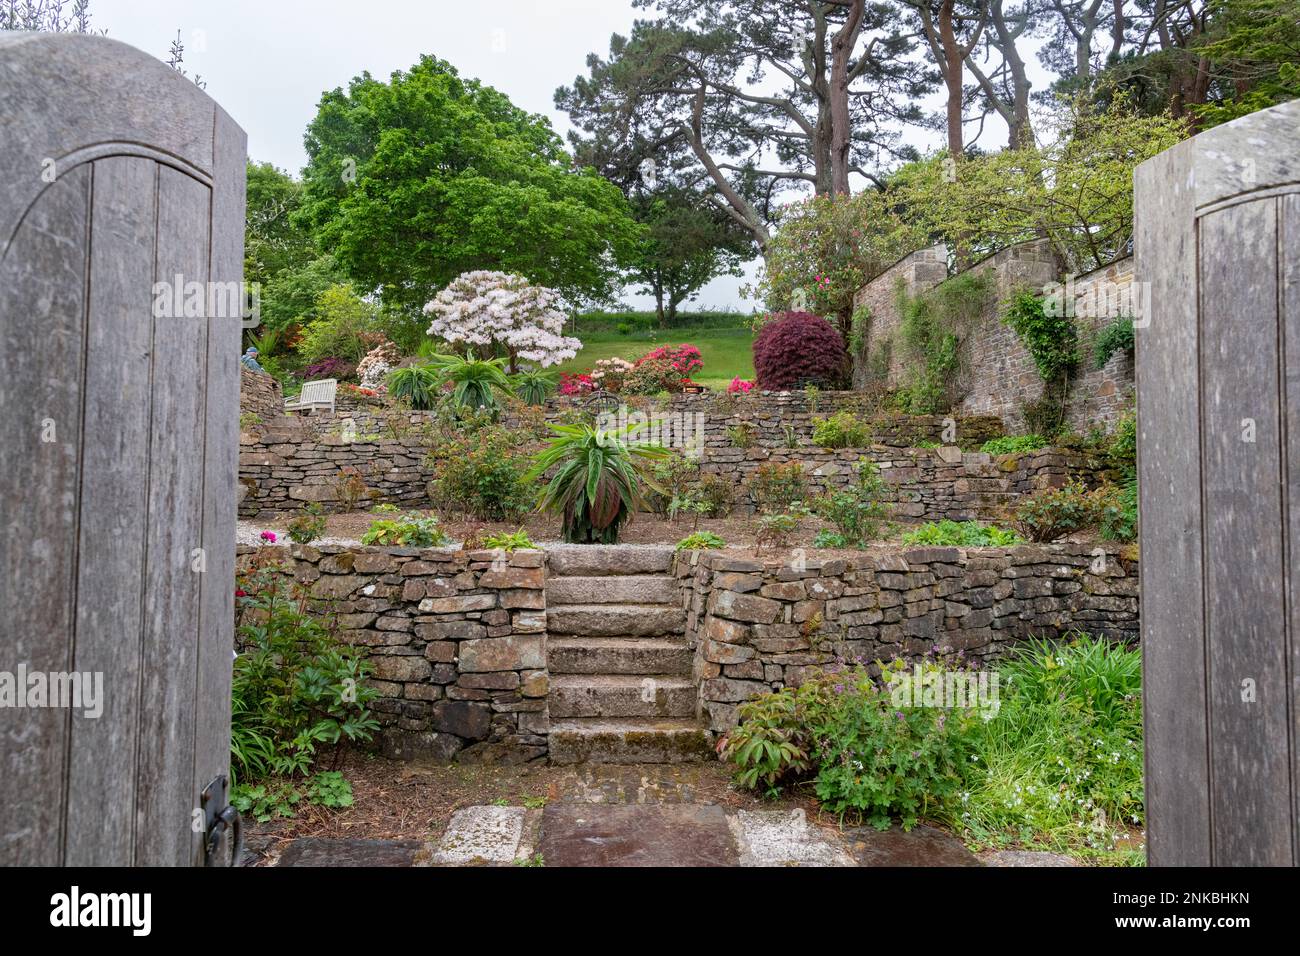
<point x="268" y="62"/>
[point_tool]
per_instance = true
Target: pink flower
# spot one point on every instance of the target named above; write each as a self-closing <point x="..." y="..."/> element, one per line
<point x="268" y="537"/>
<point x="740" y="385"/>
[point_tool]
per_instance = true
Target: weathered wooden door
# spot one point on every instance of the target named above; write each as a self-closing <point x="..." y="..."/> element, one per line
<point x="119" y="179"/>
<point x="1218" y="385"/>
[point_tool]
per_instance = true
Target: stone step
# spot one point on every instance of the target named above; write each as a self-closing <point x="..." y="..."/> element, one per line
<point x="615" y="620"/>
<point x="582" y="560"/>
<point x="617" y="655"/>
<point x="621" y="695"/>
<point x="623" y="589"/>
<point x="633" y="740"/>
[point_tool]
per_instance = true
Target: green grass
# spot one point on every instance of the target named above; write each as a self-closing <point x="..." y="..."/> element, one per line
<point x="726" y="352"/>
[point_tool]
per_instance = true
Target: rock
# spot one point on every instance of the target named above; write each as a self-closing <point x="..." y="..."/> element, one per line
<point x="519" y="652"/>
<point x="462" y="718"/>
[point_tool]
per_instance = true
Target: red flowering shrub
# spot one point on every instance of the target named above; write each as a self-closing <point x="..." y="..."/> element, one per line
<point x="683" y="358"/>
<point x="799" y="348"/>
<point x="665" y="369"/>
<point x="579" y="384"/>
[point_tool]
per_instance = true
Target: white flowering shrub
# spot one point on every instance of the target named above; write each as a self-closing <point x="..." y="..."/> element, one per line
<point x="497" y="309"/>
<point x="374" y="368"/>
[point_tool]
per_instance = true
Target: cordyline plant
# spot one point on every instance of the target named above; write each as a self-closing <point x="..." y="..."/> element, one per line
<point x="598" y="479"/>
<point x="494" y="312"/>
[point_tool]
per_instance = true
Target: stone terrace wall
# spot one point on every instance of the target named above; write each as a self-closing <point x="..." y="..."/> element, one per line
<point x="922" y="483"/>
<point x="763" y="625"/>
<point x="999" y="376"/>
<point x="259" y="395"/>
<point x="457" y="641"/>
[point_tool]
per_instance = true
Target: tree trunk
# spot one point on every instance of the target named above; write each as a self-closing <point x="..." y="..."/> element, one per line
<point x="842" y="45"/>
<point x="952" y="78"/>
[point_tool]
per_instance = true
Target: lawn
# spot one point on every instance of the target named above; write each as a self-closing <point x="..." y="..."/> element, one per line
<point x="726" y="352"/>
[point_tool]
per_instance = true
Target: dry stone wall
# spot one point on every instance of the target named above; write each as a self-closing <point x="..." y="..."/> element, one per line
<point x="457" y="641"/>
<point x="762" y="625"/>
<point x="998" y="374"/>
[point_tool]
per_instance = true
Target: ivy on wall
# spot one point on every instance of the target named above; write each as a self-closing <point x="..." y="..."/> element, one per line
<point x="1053" y="343"/>
<point x="1115" y="337"/>
<point x="931" y="328"/>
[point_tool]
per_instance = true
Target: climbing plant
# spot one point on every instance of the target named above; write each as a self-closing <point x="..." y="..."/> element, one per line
<point x="1115" y="337"/>
<point x="931" y="327"/>
<point x="1052" y="340"/>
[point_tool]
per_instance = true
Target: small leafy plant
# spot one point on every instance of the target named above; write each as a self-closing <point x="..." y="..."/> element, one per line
<point x="961" y="534"/>
<point x="509" y="541"/>
<point x="1014" y="444"/>
<point x="307" y="527"/>
<point x="776" y="487"/>
<point x="413" y="533"/>
<point x="857" y="511"/>
<point x="699" y="541"/>
<point x="1052" y="514"/>
<point x="841" y="430"/>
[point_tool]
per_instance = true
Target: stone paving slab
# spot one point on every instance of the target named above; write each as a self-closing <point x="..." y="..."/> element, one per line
<point x="611" y="835"/>
<point x="1028" y="858"/>
<point x="783" y="838"/>
<point x="920" y="846"/>
<point x="481" y="836"/>
<point x="316" y="851"/>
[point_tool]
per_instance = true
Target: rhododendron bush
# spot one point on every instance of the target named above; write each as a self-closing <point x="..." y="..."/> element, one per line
<point x="797" y="348"/>
<point x="497" y="311"/>
<point x="379" y="361"/>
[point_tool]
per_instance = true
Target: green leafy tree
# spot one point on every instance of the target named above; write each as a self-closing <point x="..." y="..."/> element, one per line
<point x="409" y="183"/>
<point x="342" y="318"/>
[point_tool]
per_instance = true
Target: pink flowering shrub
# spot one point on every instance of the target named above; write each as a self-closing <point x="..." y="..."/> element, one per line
<point x="609" y="373"/>
<point x="740" y="386"/>
<point x="681" y="358"/>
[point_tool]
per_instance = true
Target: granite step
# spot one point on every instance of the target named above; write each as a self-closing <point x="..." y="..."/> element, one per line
<point x="615" y="620"/>
<point x="586" y="560"/>
<point x="630" y="740"/>
<point x="618" y="655"/>
<point x="613" y="589"/>
<point x="621" y="695"/>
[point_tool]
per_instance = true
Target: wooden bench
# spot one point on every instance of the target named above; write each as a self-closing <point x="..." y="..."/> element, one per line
<point x="318" y="394"/>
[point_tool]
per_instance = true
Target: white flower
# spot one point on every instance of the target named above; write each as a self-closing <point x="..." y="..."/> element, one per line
<point x="497" y="308"/>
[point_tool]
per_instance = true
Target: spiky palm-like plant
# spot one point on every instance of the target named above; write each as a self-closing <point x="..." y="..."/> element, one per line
<point x="597" y="482"/>
<point x="533" y="387"/>
<point x="475" y="382"/>
<point x="415" y="384"/>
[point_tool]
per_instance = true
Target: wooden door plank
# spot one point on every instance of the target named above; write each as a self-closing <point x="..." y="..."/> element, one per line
<point x="165" y="795"/>
<point x="115" y="449"/>
<point x="1245" y="613"/>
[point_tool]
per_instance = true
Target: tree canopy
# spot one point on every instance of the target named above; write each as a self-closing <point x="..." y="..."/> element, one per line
<point x="409" y="183"/>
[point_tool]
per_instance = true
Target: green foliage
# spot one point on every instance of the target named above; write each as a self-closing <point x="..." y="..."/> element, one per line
<point x="699" y="541"/>
<point x="931" y="327"/>
<point x="961" y="534"/>
<point x="412" y="533"/>
<point x="1254" y="46"/>
<point x="416" y="385"/>
<point x="1075" y="190"/>
<point x="1055" y="512"/>
<point x="857" y="510"/>
<point x="870" y="757"/>
<point x="841" y="430"/>
<point x="342" y="320"/>
<point x="678" y="476"/>
<point x="1117" y="336"/>
<point x="479" y="469"/>
<point x="742" y="435"/>
<point x="1118" y="518"/>
<point x="330" y="789"/>
<point x="533" y="386"/>
<point x="510" y="541"/>
<point x="1014" y="444"/>
<point x="1060" y="764"/>
<point x="717" y="494"/>
<point x="1122" y="450"/>
<point x="413" y="181"/>
<point x="830" y="539"/>
<point x="294" y="687"/>
<point x="775" y="488"/>
<point x="307" y="527"/>
<point x="597" y="479"/>
<point x="1052" y="340"/>
<point x="475" y="383"/>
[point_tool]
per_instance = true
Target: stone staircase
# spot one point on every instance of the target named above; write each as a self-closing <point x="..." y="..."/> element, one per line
<point x="621" y="682"/>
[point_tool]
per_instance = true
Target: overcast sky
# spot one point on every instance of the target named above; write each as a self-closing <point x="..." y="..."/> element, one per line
<point x="268" y="62"/>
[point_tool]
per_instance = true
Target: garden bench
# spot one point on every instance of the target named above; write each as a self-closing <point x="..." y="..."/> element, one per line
<point x="314" y="395"/>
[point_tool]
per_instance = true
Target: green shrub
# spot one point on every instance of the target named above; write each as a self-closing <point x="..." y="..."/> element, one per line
<point x="776" y="487"/>
<point x="414" y="533"/>
<point x="307" y="527"/>
<point x="417" y="385"/>
<point x="1115" y="337"/>
<point x="777" y="530"/>
<point x="509" y="541"/>
<point x="699" y="541"/>
<point x="1122" y="450"/>
<point x="1052" y="340"/>
<point x="481" y="472"/>
<point x="294" y="688"/>
<point x="742" y="435"/>
<point x="1118" y="519"/>
<point x="857" y="510"/>
<point x="871" y="757"/>
<point x="961" y="534"/>
<point x="717" y="494"/>
<point x="1014" y="444"/>
<point x="841" y="430"/>
<point x="831" y="539"/>
<point x="1054" y="513"/>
